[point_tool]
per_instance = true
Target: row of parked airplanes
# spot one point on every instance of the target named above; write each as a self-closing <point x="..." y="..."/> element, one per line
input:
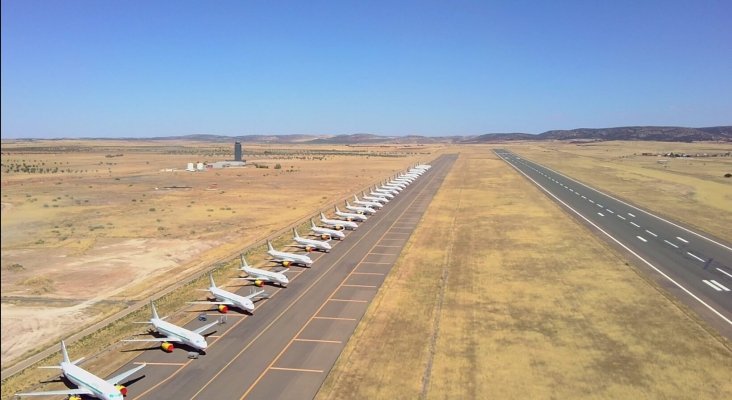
<point x="88" y="384"/>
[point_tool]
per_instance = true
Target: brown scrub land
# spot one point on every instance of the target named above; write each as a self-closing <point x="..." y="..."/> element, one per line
<point x="89" y="226"/>
<point x="500" y="294"/>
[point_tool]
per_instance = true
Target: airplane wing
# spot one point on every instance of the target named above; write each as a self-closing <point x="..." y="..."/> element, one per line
<point x="227" y="303"/>
<point x="165" y="339"/>
<point x="65" y="392"/>
<point x="205" y="327"/>
<point x="119" y="378"/>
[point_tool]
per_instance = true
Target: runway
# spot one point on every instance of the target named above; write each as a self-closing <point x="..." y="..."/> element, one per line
<point x="286" y="349"/>
<point x="691" y="265"/>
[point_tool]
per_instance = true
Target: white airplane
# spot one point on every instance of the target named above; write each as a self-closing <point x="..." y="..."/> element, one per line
<point x="226" y="299"/>
<point x="390" y="190"/>
<point x="260" y="276"/>
<point x="87" y="383"/>
<point x="175" y="334"/>
<point x="372" y="204"/>
<point x="310" y="244"/>
<point x="338" y="223"/>
<point x="396" y="186"/>
<point x="360" y="209"/>
<point x="286" y="259"/>
<point x="350" y="216"/>
<point x="326" y="233"/>
<point x="375" y="197"/>
<point x="383" y="193"/>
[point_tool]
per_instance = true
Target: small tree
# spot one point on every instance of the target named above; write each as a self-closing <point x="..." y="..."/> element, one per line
<point x="278" y="166"/>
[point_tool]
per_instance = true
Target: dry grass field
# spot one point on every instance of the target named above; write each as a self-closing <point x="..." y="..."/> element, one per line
<point x="500" y="294"/>
<point x="690" y="189"/>
<point x="88" y="226"/>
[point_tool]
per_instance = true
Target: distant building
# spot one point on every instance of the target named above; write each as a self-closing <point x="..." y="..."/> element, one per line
<point x="226" y="164"/>
<point x="237" y="151"/>
<point x="189" y="167"/>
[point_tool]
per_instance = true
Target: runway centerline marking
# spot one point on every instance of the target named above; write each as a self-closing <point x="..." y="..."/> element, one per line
<point x="651" y="233"/>
<point x="695" y="256"/>
<point x="634" y="224"/>
<point x="368" y="273"/>
<point x="318" y="341"/>
<point x="317" y="371"/>
<point x="682" y="239"/>
<point x="642" y="238"/>
<point x="601" y="214"/>
<point x="724" y="272"/>
<point x="671" y="244"/>
<point x="337" y="318"/>
<point x="349" y="300"/>
<point x="362" y="286"/>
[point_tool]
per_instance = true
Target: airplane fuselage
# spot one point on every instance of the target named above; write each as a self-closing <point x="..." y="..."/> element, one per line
<point x="325" y="246"/>
<point x="236" y="300"/>
<point x="86" y="380"/>
<point x="185" y="336"/>
<point x="291" y="257"/>
<point x="331" y="232"/>
<point x="268" y="276"/>
<point x="346" y="215"/>
<point x="337" y="222"/>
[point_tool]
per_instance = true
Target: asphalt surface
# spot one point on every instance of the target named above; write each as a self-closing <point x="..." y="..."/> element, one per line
<point x="286" y="349"/>
<point x="693" y="266"/>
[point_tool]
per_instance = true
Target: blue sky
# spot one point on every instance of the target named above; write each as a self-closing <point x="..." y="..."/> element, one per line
<point x="158" y="68"/>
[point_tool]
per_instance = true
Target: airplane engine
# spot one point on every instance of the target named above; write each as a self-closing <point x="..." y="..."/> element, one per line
<point x="286" y="263"/>
<point x="167" y="347"/>
<point x="223" y="309"/>
<point x="259" y="283"/>
<point x="339" y="227"/>
<point x="74" y="397"/>
<point x="324" y="236"/>
<point x="308" y="249"/>
<point x="122" y="389"/>
<point x="349" y="219"/>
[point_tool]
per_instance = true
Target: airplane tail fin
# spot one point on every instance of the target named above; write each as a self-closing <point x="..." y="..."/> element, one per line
<point x="312" y="224"/>
<point x="355" y="198"/>
<point x="154" y="311"/>
<point x="210" y="277"/>
<point x="64" y="352"/>
<point x="242" y="261"/>
<point x="322" y="216"/>
<point x="294" y="232"/>
<point x="337" y="210"/>
<point x="269" y="246"/>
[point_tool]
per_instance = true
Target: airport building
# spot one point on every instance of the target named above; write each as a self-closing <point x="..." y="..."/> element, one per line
<point x="237" y="162"/>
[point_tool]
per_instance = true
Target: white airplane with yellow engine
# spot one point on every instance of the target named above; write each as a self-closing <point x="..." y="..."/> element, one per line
<point x="360" y="209"/>
<point x="326" y="233"/>
<point x="226" y="299"/>
<point x="310" y="244"/>
<point x="350" y="216"/>
<point x="87" y="384"/>
<point x="261" y="276"/>
<point x="287" y="259"/>
<point x="338" y="224"/>
<point x="175" y="334"/>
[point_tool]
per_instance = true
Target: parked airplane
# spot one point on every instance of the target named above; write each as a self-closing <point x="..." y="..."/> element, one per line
<point x="389" y="190"/>
<point x="350" y="216"/>
<point x="326" y="233"/>
<point x="376" y="197"/>
<point x="382" y="192"/>
<point x="175" y="334"/>
<point x="87" y="383"/>
<point x="338" y="223"/>
<point x="310" y="244"/>
<point x="372" y="204"/>
<point x="260" y="276"/>
<point x="360" y="209"/>
<point x="226" y="299"/>
<point x="394" y="186"/>
<point x="286" y="259"/>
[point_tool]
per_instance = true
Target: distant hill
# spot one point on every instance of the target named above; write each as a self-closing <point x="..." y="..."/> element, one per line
<point x="654" y="133"/>
<point x="651" y="133"/>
